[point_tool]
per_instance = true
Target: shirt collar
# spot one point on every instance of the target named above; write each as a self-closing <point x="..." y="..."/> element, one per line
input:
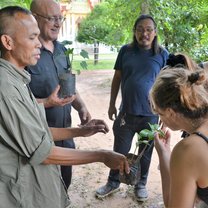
<point x="12" y="69"/>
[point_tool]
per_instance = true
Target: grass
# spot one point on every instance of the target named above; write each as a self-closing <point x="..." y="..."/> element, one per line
<point x="102" y="64"/>
<point x="106" y="61"/>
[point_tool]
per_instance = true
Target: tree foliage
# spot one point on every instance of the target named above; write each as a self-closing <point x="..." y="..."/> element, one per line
<point x="22" y="3"/>
<point x="106" y="24"/>
<point x="182" y="25"/>
<point x="92" y="28"/>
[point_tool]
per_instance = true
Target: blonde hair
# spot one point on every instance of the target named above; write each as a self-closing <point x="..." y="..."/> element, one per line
<point x="182" y="90"/>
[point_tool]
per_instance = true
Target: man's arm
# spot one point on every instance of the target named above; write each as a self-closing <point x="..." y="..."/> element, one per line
<point x="89" y="129"/>
<point x="80" y="107"/>
<point x="66" y="156"/>
<point x="114" y="93"/>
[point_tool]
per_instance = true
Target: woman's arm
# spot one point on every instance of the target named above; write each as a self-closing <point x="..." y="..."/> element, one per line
<point x="162" y="146"/>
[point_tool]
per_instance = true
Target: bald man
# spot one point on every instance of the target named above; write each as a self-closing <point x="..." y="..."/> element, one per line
<point x="29" y="171"/>
<point x="44" y="75"/>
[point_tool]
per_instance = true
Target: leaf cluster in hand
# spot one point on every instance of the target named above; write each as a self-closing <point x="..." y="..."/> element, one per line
<point x="146" y="135"/>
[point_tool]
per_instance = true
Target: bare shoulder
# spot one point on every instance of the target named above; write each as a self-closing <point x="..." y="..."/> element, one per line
<point x="189" y="162"/>
<point x="189" y="152"/>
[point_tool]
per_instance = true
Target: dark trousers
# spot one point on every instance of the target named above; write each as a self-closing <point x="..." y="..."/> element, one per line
<point x="66" y="171"/>
<point x="123" y="135"/>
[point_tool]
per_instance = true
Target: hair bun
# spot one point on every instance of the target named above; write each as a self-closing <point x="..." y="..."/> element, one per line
<point x="193" y="78"/>
<point x="174" y="60"/>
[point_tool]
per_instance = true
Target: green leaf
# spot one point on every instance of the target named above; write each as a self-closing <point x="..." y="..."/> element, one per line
<point x="161" y="133"/>
<point x="142" y="142"/>
<point x="83" y="64"/>
<point x="145" y="142"/>
<point x="154" y="127"/>
<point x="151" y="126"/>
<point x="66" y="42"/>
<point x="144" y="133"/>
<point x="84" y="54"/>
<point x="151" y="135"/>
<point x="69" y="51"/>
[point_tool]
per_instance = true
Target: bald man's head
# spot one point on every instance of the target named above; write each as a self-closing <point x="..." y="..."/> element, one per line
<point x="49" y="17"/>
<point x="42" y="6"/>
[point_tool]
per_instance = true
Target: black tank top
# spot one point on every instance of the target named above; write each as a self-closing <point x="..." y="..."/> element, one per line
<point x="202" y="193"/>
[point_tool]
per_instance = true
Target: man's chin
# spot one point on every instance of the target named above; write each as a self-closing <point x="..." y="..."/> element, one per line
<point x="53" y="37"/>
<point x="145" y="45"/>
<point x="33" y="62"/>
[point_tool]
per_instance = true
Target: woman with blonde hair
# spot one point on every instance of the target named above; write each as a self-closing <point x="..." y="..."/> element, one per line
<point x="179" y="96"/>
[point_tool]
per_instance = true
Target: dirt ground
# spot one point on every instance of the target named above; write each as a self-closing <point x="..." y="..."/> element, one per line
<point x="94" y="88"/>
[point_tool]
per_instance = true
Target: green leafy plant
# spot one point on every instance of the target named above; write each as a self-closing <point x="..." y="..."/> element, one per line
<point x="70" y="53"/>
<point x="146" y="135"/>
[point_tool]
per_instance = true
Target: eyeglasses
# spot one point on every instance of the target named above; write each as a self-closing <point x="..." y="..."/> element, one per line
<point x="53" y="19"/>
<point x="143" y="30"/>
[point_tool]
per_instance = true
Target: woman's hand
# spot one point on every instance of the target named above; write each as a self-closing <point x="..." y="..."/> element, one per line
<point x="162" y="144"/>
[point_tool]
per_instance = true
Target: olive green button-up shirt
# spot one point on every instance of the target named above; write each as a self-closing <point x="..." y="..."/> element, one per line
<point x="25" y="141"/>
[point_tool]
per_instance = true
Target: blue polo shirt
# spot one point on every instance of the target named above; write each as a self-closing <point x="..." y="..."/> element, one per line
<point x="44" y="79"/>
<point x="139" y="69"/>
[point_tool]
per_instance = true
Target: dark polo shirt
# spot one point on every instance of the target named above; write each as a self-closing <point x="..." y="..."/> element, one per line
<point x="44" y="79"/>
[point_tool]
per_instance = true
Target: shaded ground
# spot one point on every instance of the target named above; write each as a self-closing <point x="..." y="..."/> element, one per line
<point x="94" y="87"/>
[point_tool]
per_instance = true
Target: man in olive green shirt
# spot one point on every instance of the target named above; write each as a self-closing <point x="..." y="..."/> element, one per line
<point x="29" y="171"/>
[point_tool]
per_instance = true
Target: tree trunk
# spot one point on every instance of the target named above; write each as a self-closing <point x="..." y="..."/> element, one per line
<point x="145" y="7"/>
<point x="96" y="52"/>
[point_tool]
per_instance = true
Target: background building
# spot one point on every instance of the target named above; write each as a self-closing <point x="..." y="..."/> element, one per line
<point x="75" y="11"/>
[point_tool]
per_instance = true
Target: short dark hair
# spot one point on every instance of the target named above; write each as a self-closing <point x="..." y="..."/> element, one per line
<point x="155" y="46"/>
<point x="7" y="12"/>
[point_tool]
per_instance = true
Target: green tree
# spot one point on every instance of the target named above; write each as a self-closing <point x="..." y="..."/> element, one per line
<point x="22" y="3"/>
<point x="182" y="25"/>
<point x="94" y="30"/>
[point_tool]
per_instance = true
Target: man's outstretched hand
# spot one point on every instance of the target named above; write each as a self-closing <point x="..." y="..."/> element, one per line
<point x="94" y="126"/>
